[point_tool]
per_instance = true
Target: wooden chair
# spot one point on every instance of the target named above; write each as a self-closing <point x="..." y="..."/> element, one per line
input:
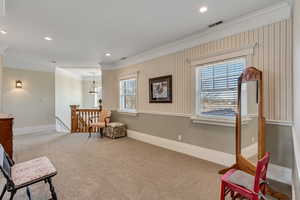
<point x="99" y="122"/>
<point x="24" y="174"/>
<point x="243" y="185"/>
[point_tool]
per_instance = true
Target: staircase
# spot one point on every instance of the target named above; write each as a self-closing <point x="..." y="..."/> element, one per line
<point x="61" y="126"/>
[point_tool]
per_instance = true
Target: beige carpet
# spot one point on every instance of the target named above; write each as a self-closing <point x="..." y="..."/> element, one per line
<point x="123" y="169"/>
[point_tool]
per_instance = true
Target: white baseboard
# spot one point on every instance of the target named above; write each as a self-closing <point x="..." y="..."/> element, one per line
<point x="250" y="151"/>
<point x="296" y="168"/>
<point x="218" y="157"/>
<point x="279" y="173"/>
<point x="34" y="129"/>
<point x="275" y="172"/>
<point x="293" y="192"/>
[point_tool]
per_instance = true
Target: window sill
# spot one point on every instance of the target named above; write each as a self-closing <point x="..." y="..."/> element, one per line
<point x="218" y="121"/>
<point x="128" y="112"/>
<point x="214" y="120"/>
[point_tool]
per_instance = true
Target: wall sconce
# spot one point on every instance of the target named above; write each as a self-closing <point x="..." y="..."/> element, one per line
<point x="19" y="84"/>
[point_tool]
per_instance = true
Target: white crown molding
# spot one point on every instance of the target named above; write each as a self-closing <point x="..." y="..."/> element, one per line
<point x="275" y="13"/>
<point x="96" y="76"/>
<point x="22" y="65"/>
<point x="67" y="73"/>
<point x="80" y="66"/>
<point x="29" y="69"/>
<point x="91" y="78"/>
<point x="275" y="172"/>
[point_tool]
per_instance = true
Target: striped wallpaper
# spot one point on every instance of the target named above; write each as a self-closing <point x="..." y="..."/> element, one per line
<point x="272" y="54"/>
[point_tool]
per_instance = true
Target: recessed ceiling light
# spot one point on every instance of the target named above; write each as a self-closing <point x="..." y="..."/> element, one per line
<point x="108" y="54"/>
<point x="203" y="9"/>
<point x="3" y="32"/>
<point x="48" y="38"/>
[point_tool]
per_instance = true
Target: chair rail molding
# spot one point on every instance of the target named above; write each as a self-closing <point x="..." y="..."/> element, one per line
<point x="226" y="122"/>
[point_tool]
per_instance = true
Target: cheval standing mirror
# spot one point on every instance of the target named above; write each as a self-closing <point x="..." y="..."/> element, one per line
<point x="250" y="125"/>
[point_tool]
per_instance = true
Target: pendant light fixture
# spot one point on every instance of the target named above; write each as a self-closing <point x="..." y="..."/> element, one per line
<point x="93" y="86"/>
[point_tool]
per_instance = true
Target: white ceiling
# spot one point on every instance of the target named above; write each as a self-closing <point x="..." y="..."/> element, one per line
<point x="83" y="31"/>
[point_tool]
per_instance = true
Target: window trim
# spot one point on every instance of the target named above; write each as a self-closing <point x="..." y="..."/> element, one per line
<point x="218" y="120"/>
<point x="224" y="55"/>
<point x="246" y="52"/>
<point x="132" y="112"/>
<point x="198" y="88"/>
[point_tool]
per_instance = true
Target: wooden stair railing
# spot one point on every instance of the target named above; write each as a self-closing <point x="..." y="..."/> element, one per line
<point x="82" y="118"/>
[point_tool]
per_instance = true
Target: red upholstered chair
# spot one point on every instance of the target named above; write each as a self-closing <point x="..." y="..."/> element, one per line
<point x="240" y="184"/>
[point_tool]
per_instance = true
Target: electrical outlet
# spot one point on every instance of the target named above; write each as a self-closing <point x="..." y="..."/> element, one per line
<point x="179" y="137"/>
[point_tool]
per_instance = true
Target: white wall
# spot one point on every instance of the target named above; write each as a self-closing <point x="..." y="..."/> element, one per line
<point x="88" y="99"/>
<point x="33" y="105"/>
<point x="272" y="54"/>
<point x="296" y="130"/>
<point x="68" y="91"/>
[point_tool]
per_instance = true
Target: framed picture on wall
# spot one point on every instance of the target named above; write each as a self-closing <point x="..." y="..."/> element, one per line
<point x="160" y="89"/>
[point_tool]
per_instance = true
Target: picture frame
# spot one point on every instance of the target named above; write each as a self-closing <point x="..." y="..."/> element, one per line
<point x="160" y="89"/>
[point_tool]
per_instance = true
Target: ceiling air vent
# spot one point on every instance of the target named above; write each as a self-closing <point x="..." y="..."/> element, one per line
<point x="123" y="58"/>
<point x="215" y="24"/>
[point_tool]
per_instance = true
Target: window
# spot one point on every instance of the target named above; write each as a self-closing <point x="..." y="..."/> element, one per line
<point x="128" y="94"/>
<point x="217" y="87"/>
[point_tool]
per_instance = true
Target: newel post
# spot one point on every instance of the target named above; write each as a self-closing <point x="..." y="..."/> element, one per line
<point x="100" y="104"/>
<point x="74" y="120"/>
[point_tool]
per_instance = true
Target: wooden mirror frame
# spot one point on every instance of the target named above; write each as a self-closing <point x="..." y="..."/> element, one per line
<point x="242" y="163"/>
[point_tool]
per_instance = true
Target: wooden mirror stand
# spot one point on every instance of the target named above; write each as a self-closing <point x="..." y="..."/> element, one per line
<point x="242" y="163"/>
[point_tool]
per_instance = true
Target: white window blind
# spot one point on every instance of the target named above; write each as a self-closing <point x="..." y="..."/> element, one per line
<point x="217" y="87"/>
<point x="128" y="94"/>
